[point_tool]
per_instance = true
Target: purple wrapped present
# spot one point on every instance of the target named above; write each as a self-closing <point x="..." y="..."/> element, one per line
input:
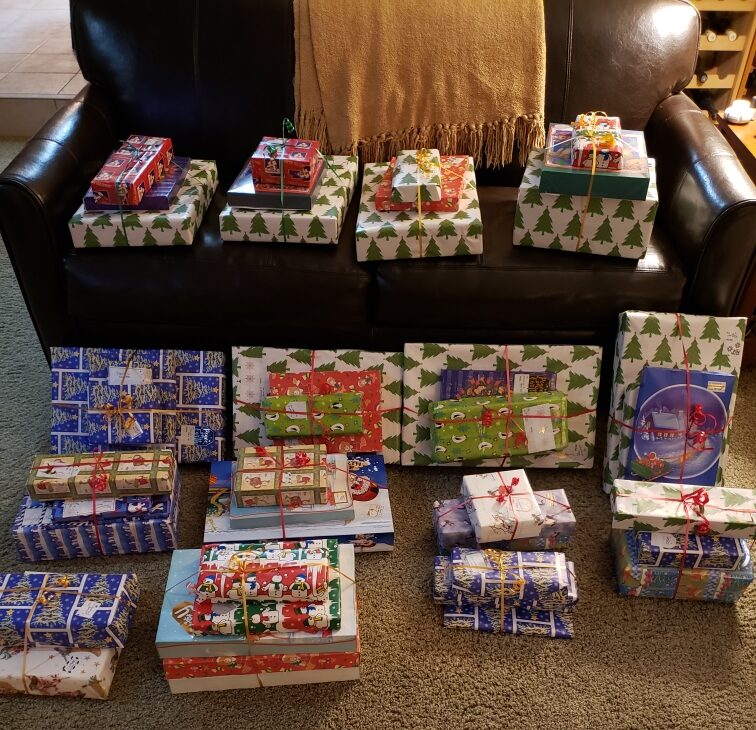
<point x="457" y="384"/>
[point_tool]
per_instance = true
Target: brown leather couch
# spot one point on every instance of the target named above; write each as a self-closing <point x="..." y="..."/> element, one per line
<point x="216" y="76"/>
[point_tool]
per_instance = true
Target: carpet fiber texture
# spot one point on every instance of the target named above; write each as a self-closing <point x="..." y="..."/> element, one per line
<point x="635" y="663"/>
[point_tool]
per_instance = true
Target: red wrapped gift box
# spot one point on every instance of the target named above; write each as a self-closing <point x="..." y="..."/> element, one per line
<point x="160" y="147"/>
<point x="298" y="157"/>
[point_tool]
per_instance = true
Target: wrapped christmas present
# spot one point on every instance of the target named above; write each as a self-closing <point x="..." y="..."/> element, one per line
<point x="287" y="416"/>
<point x="453" y="169"/>
<point x="366" y="383"/>
<point x="516" y="620"/>
<point x="662" y="549"/>
<point x="683" y="509"/>
<point x="293" y="161"/>
<point x="570" y="222"/>
<point x="200" y="405"/>
<point x="321" y="224"/>
<point x="599" y="136"/>
<point x="577" y="370"/>
<point x="454" y="528"/>
<point x="159" y="147"/>
<point x="219" y="556"/>
<point x="543" y="580"/>
<point x="592" y="121"/>
<point x="281" y="475"/>
<point x="523" y="423"/>
<point x="175" y="226"/>
<point x="69" y="374"/>
<point x="404" y="234"/>
<point x="458" y="384"/>
<point x="61" y="671"/>
<point x="104" y="474"/>
<point x="246" y="192"/>
<point x="416" y="174"/>
<point x="82" y="610"/>
<point x="110" y="508"/>
<point x="671" y="341"/>
<point x="694" y="584"/>
<point x="679" y="425"/>
<point x="253" y="369"/>
<point x="501" y="506"/>
<point x="559" y="176"/>
<point x="177" y="639"/>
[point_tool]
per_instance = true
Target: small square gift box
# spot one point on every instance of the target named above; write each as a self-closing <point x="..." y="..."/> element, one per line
<point x="416" y="176"/>
<point x="294" y="160"/>
<point x="335" y="414"/>
<point x="476" y="428"/>
<point x="104" y="474"/>
<point x="600" y="136"/>
<point x="288" y="476"/>
<point x="453" y="169"/>
<point x="501" y="506"/>
<point x="82" y="610"/>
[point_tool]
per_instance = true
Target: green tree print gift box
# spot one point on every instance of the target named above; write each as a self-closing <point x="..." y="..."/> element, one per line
<point x="610" y="226"/>
<point x="321" y="224"/>
<point x="173" y="227"/>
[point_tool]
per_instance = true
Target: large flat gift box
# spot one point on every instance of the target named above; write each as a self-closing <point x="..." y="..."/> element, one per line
<point x="577" y="368"/>
<point x="651" y="338"/>
<point x="173" y="227"/>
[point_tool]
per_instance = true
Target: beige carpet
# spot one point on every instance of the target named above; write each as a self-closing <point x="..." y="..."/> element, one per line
<point x="635" y="663"/>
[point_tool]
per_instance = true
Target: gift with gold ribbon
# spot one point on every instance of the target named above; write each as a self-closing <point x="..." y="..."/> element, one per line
<point x="416" y="173"/>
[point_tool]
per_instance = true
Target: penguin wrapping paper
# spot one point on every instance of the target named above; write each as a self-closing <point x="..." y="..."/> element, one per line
<point x="82" y="610"/>
<point x="287" y="416"/>
<point x="693" y="584"/>
<point x="714" y="344"/>
<point x="522" y="423"/>
<point x="700" y="551"/>
<point x="79" y="673"/>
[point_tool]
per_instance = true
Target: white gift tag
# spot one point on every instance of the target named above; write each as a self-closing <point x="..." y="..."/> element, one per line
<point x="663" y="540"/>
<point x="296" y="409"/>
<point x="520" y="382"/>
<point x="33" y="516"/>
<point x="186" y="437"/>
<point x="540" y="430"/>
<point x="133" y="376"/>
<point x="88" y="608"/>
<point x="132" y="427"/>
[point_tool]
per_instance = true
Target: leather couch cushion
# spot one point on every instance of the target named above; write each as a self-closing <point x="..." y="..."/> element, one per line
<point x="511" y="287"/>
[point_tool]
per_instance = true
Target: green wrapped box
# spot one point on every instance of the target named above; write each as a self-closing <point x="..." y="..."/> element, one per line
<point x="291" y="416"/>
<point x="476" y="428"/>
<point x="415" y="169"/>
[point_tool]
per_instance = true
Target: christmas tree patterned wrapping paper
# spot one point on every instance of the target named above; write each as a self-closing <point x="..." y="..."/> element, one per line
<point x="700" y="551"/>
<point x="78" y="673"/>
<point x="82" y="610"/>
<point x="382" y="235"/>
<point x="652" y="338"/>
<point x="251" y="368"/>
<point x="321" y="224"/>
<point x="578" y="368"/>
<point x="610" y="226"/>
<point x="415" y="169"/>
<point x="693" y="584"/>
<point x="176" y="226"/>
<point x="69" y="375"/>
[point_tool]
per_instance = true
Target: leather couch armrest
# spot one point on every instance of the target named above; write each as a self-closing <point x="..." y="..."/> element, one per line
<point x="39" y="191"/>
<point x="707" y="205"/>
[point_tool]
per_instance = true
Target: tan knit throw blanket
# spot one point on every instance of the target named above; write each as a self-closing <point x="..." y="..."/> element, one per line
<point x="464" y="76"/>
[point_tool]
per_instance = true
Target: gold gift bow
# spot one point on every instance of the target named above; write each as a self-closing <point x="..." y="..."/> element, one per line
<point x="425" y="166"/>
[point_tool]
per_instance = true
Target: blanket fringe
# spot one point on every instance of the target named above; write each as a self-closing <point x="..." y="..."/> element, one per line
<point x="493" y="141"/>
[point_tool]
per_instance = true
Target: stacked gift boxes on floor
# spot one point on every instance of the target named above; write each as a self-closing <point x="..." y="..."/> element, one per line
<point x="420" y="204"/>
<point x="498" y="577"/>
<point x="259" y="614"/>
<point x="144" y="196"/>
<point x="591" y="190"/>
<point x="288" y="192"/>
<point x="62" y="633"/>
<point x="103" y="503"/>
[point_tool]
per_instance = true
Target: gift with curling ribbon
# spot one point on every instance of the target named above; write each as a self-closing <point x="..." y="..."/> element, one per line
<point x="453" y="169"/>
<point x="470" y="429"/>
<point x="662" y="549"/>
<point x="416" y="176"/>
<point x="82" y="610"/>
<point x="600" y="135"/>
<point x="335" y="414"/>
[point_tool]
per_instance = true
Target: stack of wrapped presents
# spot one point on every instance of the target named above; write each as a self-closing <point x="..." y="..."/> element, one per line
<point x="591" y="190"/>
<point x="289" y="192"/>
<point x="419" y="204"/>
<point x="258" y="615"/>
<point x="62" y="633"/>
<point x="144" y="196"/>
<point x="499" y="575"/>
<point x="101" y="503"/>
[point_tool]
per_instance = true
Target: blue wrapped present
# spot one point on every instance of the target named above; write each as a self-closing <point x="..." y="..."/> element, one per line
<point x="82" y="610"/>
<point x="517" y="620"/>
<point x="69" y="375"/>
<point x="109" y="508"/>
<point x="701" y="551"/>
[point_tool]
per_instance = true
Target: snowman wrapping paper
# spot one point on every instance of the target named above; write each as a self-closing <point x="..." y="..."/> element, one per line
<point x="577" y="369"/>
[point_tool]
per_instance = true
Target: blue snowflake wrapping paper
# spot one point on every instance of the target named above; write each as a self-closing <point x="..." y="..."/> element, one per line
<point x="84" y="610"/>
<point x="702" y="551"/>
<point x="518" y="620"/>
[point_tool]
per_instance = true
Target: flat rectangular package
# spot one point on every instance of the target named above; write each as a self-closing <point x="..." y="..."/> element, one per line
<point x="700" y="551"/>
<point x="287" y="416"/>
<point x="252" y="368"/>
<point x="176" y="637"/>
<point x="456" y="384"/>
<point x="563" y="222"/>
<point x="417" y="174"/>
<point x="382" y="235"/>
<point x="291" y="161"/>
<point x="320" y="225"/>
<point x="693" y="584"/>
<point x="58" y="671"/>
<point x="111" y="508"/>
<point x="82" y="610"/>
<point x="370" y="530"/>
<point x="577" y="367"/>
<point x="245" y="192"/>
<point x="518" y="621"/>
<point x="176" y="226"/>
<point x="714" y="344"/>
